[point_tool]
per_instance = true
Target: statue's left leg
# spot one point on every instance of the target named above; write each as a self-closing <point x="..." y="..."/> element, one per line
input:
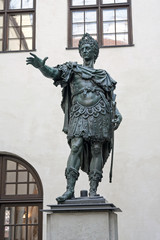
<point x="96" y="165"/>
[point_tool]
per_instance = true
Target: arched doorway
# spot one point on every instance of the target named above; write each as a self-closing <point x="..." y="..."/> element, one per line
<point x="21" y="198"/>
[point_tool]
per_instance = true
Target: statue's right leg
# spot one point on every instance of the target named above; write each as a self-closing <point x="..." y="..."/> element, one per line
<point x="72" y="170"/>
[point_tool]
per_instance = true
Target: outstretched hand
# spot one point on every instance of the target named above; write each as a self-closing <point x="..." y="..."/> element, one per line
<point x="36" y="61"/>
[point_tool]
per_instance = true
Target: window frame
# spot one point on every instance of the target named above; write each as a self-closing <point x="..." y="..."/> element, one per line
<point x="30" y="170"/>
<point x="2" y="213"/>
<point x="19" y="200"/>
<point x="99" y="6"/>
<point x="5" y="13"/>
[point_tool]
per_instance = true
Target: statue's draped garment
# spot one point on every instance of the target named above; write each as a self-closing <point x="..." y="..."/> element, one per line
<point x="91" y="123"/>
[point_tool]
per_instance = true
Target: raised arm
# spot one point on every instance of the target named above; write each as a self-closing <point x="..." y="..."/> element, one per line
<point x="47" y="71"/>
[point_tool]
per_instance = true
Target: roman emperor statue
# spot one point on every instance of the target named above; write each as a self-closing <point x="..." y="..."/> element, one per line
<point x="90" y="113"/>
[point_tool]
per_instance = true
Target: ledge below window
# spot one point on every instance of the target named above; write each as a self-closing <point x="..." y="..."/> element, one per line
<point x="131" y="45"/>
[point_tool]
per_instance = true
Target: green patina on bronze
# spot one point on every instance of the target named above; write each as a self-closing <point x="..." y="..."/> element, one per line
<point x="91" y="116"/>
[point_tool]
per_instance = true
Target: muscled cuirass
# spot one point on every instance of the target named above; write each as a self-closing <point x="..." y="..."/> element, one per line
<point x="84" y="91"/>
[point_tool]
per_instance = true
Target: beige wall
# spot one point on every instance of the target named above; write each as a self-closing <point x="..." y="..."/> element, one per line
<point x="31" y="118"/>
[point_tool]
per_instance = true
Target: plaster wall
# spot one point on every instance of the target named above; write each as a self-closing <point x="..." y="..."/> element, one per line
<point x="31" y="118"/>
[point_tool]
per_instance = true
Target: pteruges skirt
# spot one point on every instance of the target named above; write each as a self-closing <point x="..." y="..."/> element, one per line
<point x="93" y="123"/>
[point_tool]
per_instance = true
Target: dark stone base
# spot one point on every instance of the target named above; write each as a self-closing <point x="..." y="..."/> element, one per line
<point x="82" y="204"/>
<point x="85" y="200"/>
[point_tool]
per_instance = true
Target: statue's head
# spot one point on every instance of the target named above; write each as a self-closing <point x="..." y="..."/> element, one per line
<point x="87" y="40"/>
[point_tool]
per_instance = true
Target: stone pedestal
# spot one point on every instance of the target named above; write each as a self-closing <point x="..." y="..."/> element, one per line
<point x="82" y="219"/>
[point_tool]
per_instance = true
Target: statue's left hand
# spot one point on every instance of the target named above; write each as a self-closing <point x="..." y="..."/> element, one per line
<point x="116" y="122"/>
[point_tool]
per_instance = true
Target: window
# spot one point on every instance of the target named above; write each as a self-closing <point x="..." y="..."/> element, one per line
<point x="17" y="25"/>
<point x="21" y="199"/>
<point x="108" y="21"/>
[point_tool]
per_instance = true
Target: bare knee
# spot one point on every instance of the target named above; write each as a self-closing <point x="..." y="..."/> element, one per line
<point x="76" y="146"/>
<point x="75" y="149"/>
<point x="96" y="149"/>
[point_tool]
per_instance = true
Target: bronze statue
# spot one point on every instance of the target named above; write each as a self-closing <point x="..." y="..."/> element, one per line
<point x="88" y="102"/>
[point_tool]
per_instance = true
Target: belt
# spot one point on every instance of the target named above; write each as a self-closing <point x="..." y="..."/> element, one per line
<point x="87" y="89"/>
